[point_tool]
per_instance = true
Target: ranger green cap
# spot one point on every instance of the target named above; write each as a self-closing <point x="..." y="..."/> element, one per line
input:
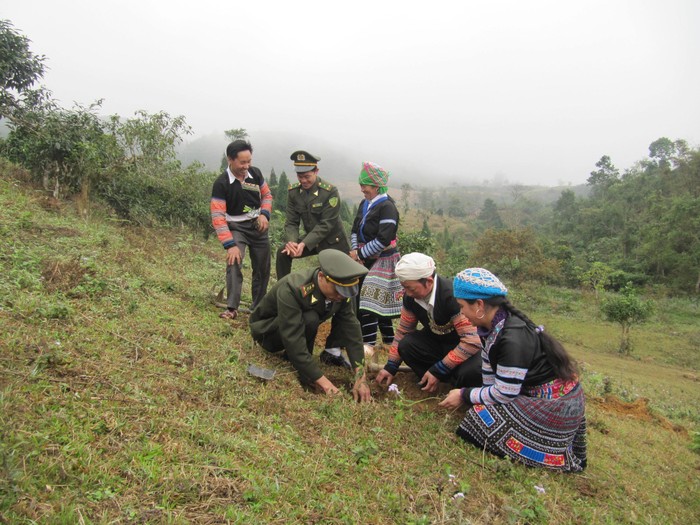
<point x="342" y="271"/>
<point x="304" y="161"/>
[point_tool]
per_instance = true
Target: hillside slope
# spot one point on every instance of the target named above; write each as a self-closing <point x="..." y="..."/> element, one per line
<point x="125" y="399"/>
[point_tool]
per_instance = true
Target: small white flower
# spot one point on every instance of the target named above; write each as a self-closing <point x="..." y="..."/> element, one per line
<point x="539" y="489"/>
<point x="394" y="388"/>
<point x="57" y="343"/>
<point x="458" y="495"/>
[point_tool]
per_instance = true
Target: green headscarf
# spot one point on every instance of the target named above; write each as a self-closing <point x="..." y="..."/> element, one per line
<point x="374" y="175"/>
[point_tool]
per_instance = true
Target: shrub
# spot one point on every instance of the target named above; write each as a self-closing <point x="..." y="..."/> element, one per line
<point x="626" y="309"/>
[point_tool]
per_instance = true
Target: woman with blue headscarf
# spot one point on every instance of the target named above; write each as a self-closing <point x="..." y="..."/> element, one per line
<point x="373" y="241"/>
<point x="531" y="406"/>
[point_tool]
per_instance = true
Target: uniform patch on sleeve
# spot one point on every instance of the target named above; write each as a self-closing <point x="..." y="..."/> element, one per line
<point x="307" y="289"/>
<point x="333" y="202"/>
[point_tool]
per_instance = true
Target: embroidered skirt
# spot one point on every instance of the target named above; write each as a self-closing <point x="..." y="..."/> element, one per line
<point x="381" y="292"/>
<point x="538" y="432"/>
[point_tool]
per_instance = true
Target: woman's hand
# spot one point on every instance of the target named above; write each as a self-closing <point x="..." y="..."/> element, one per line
<point x="453" y="399"/>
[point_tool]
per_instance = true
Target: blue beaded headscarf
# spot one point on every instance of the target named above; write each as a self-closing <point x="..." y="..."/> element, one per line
<point x="477" y="283"/>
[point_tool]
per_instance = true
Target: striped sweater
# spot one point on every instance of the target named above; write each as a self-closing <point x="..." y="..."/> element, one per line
<point x="236" y="198"/>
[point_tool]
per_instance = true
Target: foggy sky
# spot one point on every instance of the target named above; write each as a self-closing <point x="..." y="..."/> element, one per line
<point x="531" y="91"/>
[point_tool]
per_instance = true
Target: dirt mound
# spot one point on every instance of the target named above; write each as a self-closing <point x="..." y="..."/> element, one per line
<point x="638" y="409"/>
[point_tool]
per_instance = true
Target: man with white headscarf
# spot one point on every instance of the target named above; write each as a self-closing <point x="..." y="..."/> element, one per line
<point x="447" y="349"/>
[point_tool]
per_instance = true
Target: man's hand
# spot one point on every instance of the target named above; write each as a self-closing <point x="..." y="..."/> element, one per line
<point x="300" y="249"/>
<point x="354" y="255"/>
<point x="429" y="382"/>
<point x="290" y="248"/>
<point x="263" y="223"/>
<point x="361" y="391"/>
<point x="233" y="255"/>
<point x="384" y="377"/>
<point x="453" y="399"/>
<point x="324" y="384"/>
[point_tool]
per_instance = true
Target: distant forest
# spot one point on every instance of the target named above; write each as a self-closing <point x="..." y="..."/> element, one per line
<point x="639" y="227"/>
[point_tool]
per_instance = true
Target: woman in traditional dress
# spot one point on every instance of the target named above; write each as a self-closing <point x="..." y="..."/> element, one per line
<point x="531" y="406"/>
<point x="373" y="241"/>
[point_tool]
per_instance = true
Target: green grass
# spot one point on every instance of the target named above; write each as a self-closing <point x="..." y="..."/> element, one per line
<point x="124" y="399"/>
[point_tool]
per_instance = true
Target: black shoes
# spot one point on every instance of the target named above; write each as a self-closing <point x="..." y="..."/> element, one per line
<point x="333" y="360"/>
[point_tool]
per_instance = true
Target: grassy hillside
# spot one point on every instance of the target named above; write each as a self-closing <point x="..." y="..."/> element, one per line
<point x="124" y="399"/>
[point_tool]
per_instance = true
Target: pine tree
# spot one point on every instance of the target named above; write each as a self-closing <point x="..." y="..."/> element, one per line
<point x="489" y="215"/>
<point x="280" y="196"/>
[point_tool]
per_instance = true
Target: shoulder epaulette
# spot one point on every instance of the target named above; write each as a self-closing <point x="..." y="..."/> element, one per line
<point x="293" y="186"/>
<point x="326" y="186"/>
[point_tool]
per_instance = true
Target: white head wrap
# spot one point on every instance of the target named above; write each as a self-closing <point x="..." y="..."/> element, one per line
<point x="415" y="266"/>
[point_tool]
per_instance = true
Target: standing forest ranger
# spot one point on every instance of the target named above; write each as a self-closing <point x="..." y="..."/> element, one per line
<point x="241" y="202"/>
<point x="314" y="203"/>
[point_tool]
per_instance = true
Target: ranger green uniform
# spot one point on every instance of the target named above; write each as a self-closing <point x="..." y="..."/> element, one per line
<point x="288" y="316"/>
<point x="318" y="210"/>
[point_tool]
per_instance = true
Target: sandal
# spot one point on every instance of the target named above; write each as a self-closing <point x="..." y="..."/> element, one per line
<point x="229" y="314"/>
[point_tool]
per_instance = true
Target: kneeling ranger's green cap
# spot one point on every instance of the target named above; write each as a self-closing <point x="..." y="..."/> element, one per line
<point x="342" y="271"/>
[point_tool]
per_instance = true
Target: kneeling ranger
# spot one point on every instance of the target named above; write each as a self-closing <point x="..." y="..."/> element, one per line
<point x="289" y="315"/>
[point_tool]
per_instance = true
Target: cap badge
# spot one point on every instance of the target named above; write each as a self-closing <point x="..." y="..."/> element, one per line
<point x="301" y="156"/>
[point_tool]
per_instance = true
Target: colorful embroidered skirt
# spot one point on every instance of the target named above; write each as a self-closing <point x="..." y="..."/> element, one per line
<point x="381" y="292"/>
<point x="538" y="432"/>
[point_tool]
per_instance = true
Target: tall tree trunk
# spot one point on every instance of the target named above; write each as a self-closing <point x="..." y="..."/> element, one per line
<point x="84" y="199"/>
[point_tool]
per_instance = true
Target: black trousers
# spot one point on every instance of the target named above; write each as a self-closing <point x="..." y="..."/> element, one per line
<point x="420" y="351"/>
<point x="248" y="236"/>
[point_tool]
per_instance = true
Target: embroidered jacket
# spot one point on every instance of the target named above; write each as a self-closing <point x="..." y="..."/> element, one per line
<point x="447" y="324"/>
<point x="375" y="226"/>
<point x="512" y="358"/>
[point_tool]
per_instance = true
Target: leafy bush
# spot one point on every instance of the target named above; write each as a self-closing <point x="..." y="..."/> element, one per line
<point x="409" y="242"/>
<point x="626" y="309"/>
<point x="180" y="199"/>
<point x="515" y="254"/>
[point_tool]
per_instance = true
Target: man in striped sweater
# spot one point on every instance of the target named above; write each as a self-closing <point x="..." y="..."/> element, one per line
<point x="241" y="203"/>
<point x="448" y="348"/>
